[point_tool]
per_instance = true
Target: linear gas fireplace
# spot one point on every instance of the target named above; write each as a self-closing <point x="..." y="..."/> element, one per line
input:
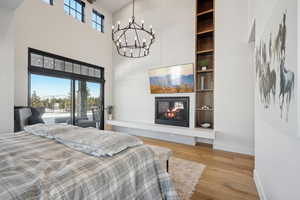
<point x="172" y="111"/>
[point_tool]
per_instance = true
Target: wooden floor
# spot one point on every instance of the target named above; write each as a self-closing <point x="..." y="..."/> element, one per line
<point x="227" y="176"/>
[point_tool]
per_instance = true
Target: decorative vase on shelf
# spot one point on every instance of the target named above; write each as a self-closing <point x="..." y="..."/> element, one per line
<point x="109" y="110"/>
<point x="202" y="81"/>
<point x="206" y="125"/>
<point x="203" y="64"/>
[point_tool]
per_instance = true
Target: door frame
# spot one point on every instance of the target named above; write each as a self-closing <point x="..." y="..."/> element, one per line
<point x="70" y="76"/>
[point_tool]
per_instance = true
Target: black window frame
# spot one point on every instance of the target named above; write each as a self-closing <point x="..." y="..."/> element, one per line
<point x="71" y="76"/>
<point x="82" y="13"/>
<point x="101" y="23"/>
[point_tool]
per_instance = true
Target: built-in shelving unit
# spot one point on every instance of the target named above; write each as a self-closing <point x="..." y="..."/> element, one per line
<point x="205" y="62"/>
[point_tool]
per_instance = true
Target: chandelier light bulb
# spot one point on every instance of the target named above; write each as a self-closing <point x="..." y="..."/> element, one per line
<point x="113" y="27"/>
<point x="135" y="41"/>
<point x="143" y="24"/>
<point x="119" y="25"/>
<point x="131" y="52"/>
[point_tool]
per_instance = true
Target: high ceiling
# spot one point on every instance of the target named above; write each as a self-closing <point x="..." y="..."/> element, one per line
<point x="11" y="4"/>
<point x="112" y="5"/>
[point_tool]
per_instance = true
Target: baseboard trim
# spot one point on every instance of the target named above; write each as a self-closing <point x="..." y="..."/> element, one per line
<point x="259" y="186"/>
<point x="222" y="147"/>
<point x="159" y="136"/>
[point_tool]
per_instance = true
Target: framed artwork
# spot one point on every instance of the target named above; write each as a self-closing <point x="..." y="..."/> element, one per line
<point x="174" y="79"/>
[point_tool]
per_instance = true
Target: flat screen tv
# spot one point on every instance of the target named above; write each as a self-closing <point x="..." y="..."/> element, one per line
<point x="174" y="79"/>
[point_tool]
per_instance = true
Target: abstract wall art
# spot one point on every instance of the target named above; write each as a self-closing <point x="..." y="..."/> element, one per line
<point x="276" y="68"/>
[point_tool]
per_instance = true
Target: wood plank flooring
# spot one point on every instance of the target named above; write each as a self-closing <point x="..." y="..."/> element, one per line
<point x="227" y="176"/>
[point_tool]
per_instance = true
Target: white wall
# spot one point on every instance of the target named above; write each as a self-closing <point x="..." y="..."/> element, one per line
<point x="48" y="28"/>
<point x="234" y="107"/>
<point x="7" y="69"/>
<point x="298" y="61"/>
<point x="175" y="28"/>
<point x="277" y="158"/>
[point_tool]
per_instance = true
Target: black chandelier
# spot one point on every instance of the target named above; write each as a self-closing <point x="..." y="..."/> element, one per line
<point x="134" y="40"/>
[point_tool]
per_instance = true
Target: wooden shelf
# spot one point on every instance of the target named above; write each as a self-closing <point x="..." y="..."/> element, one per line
<point x="205" y="12"/>
<point x="205" y="42"/>
<point x="205" y="32"/>
<point x="205" y="90"/>
<point x="205" y="51"/>
<point x="200" y="109"/>
<point x="205" y="71"/>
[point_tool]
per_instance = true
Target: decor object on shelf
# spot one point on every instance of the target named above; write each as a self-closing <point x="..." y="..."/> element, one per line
<point x="134" y="40"/>
<point x="202" y="81"/>
<point x="206" y="107"/>
<point x="110" y="112"/>
<point x="276" y="69"/>
<point x="203" y="64"/>
<point x="174" y="79"/>
<point x="206" y="125"/>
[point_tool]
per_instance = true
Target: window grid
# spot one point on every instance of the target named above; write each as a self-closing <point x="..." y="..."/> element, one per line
<point x="98" y="21"/>
<point x="43" y="60"/>
<point x="75" y="8"/>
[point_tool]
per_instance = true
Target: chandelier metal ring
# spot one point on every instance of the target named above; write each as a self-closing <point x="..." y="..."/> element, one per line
<point x="133" y="40"/>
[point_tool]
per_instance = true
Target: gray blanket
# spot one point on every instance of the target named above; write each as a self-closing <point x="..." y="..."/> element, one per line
<point x="32" y="167"/>
<point x="88" y="140"/>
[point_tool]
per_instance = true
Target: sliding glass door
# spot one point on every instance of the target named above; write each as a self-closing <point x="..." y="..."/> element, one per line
<point x="88" y="104"/>
<point x="67" y="101"/>
<point x="53" y="95"/>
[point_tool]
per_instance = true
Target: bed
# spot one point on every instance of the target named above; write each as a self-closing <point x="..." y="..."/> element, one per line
<point x="34" y="167"/>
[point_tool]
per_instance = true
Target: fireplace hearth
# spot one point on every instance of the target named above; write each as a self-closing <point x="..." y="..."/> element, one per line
<point x="172" y="111"/>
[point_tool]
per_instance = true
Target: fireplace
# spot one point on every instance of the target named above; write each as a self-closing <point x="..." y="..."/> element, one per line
<point x="172" y="111"/>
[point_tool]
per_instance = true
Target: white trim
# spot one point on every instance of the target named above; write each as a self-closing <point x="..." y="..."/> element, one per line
<point x="228" y="148"/>
<point x="157" y="135"/>
<point x="188" y="132"/>
<point x="259" y="186"/>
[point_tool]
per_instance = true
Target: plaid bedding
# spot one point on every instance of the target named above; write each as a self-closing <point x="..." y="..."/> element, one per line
<point x="87" y="140"/>
<point x="32" y="167"/>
